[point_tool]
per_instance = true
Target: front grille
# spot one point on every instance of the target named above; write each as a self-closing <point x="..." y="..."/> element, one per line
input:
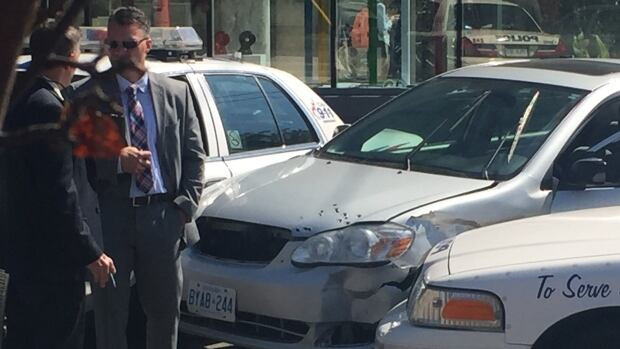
<point x="347" y="334"/>
<point x="240" y="241"/>
<point x="253" y="326"/>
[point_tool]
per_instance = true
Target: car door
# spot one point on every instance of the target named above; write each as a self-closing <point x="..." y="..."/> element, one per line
<point x="215" y="169"/>
<point x="588" y="169"/>
<point x="260" y="123"/>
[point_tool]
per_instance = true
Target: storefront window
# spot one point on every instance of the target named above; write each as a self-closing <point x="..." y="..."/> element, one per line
<point x="591" y="30"/>
<point x="292" y="35"/>
<point x="369" y="50"/>
<point x="384" y="43"/>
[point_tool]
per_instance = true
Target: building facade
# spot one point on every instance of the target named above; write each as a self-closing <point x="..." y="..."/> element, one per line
<point x="382" y="43"/>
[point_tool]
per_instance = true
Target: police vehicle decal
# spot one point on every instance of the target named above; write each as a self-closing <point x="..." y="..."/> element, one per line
<point x="575" y="286"/>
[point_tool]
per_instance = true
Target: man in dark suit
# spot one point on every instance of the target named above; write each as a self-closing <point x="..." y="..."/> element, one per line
<point x="47" y="242"/>
<point x="152" y="190"/>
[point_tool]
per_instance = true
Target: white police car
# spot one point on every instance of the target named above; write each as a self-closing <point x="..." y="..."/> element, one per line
<point x="491" y="30"/>
<point x="546" y="282"/>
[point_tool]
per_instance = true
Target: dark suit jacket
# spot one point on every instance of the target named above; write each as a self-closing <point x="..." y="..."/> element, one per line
<point x="45" y="228"/>
<point x="179" y="144"/>
<point x="89" y="203"/>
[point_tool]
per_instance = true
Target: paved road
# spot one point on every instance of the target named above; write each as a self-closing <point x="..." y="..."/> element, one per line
<point x="186" y="342"/>
<point x="135" y="334"/>
<point x="206" y="345"/>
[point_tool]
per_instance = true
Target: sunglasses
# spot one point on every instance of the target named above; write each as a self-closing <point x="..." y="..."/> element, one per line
<point x="126" y="44"/>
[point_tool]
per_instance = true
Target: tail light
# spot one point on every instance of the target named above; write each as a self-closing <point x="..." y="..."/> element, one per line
<point x="560" y="50"/>
<point x="478" y="50"/>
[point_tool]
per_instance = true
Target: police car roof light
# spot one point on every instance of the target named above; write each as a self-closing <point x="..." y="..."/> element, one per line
<point x="92" y="38"/>
<point x="169" y="43"/>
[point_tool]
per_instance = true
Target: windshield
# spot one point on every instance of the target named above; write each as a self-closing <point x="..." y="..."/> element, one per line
<point x="497" y="17"/>
<point x="479" y="128"/>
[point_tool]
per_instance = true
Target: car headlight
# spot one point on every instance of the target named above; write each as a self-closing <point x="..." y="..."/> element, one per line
<point x="454" y="308"/>
<point x="357" y="244"/>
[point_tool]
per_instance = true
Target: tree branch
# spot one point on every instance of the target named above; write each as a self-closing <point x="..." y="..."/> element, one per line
<point x="13" y="28"/>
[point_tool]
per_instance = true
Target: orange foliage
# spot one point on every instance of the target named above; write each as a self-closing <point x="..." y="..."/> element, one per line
<point x="95" y="135"/>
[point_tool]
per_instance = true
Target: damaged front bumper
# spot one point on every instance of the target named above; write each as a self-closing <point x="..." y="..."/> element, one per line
<point x="279" y="305"/>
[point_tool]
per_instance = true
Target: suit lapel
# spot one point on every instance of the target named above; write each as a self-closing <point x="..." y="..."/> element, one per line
<point x="159" y="107"/>
<point x="109" y="85"/>
<point x="104" y="171"/>
<point x="159" y="101"/>
<point x="111" y="90"/>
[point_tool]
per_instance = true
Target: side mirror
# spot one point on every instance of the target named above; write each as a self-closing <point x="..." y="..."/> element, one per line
<point x="589" y="170"/>
<point x="340" y="128"/>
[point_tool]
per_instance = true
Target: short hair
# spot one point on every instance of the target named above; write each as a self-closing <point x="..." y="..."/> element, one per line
<point x="42" y="37"/>
<point x="127" y="15"/>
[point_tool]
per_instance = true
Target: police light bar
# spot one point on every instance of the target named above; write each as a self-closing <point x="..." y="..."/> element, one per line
<point x="175" y="43"/>
<point x="169" y="43"/>
<point x="92" y="38"/>
<point x="176" y="38"/>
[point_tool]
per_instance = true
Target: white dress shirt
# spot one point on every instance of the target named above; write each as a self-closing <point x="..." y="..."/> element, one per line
<point x="143" y="95"/>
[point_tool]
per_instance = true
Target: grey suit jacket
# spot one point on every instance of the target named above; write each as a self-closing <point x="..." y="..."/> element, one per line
<point x="179" y="143"/>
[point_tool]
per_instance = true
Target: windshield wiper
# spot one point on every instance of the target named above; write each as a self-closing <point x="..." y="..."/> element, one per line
<point x="471" y="109"/>
<point x="521" y="126"/>
<point x="423" y="143"/>
<point x="467" y="113"/>
<point x="485" y="170"/>
<point x="365" y="159"/>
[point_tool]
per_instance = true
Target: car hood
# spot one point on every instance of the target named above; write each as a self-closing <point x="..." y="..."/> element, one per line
<point x="576" y="234"/>
<point x="307" y="195"/>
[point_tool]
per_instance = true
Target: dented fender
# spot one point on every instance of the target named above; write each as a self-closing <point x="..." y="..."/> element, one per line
<point x="518" y="198"/>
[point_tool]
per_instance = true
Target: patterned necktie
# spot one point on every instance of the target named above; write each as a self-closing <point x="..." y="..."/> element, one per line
<point x="137" y="131"/>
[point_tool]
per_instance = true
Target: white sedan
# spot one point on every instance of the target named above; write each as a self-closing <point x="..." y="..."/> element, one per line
<point x="313" y="252"/>
<point x="252" y="116"/>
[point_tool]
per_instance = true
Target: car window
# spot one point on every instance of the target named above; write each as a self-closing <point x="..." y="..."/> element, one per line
<point x="479" y="128"/>
<point x="495" y="17"/>
<point x="245" y="113"/>
<point x="293" y="124"/>
<point x="598" y="139"/>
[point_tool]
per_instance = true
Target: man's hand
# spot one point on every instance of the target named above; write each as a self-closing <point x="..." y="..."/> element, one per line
<point x="134" y="160"/>
<point x="101" y="270"/>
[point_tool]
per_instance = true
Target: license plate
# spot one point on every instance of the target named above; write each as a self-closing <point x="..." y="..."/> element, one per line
<point x="516" y="52"/>
<point x="211" y="301"/>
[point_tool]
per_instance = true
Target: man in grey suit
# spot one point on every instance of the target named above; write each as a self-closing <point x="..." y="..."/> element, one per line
<point x="152" y="190"/>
